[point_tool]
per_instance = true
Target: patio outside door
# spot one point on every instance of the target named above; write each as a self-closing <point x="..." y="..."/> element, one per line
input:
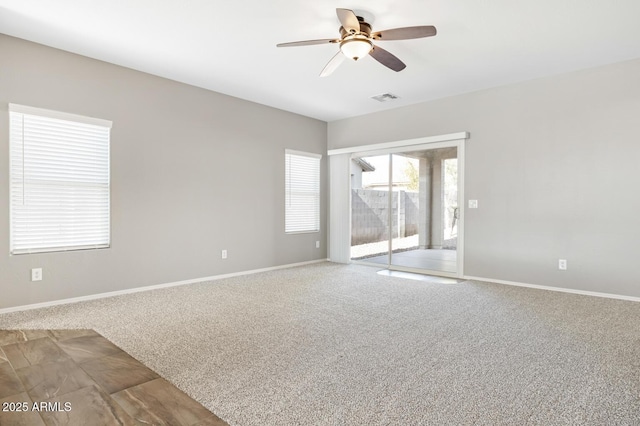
<point x="405" y="210"/>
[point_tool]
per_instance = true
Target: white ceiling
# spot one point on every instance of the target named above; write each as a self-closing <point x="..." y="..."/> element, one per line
<point x="230" y="47"/>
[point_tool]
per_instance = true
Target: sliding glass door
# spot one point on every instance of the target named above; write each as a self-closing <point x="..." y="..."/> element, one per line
<point x="404" y="210"/>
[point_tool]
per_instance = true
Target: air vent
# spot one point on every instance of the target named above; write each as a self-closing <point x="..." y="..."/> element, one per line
<point x="385" y="97"/>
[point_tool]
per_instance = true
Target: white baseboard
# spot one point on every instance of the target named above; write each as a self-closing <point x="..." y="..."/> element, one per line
<point x="559" y="289"/>
<point x="152" y="287"/>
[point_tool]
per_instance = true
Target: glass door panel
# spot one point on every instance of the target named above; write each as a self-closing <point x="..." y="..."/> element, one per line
<point x="424" y="230"/>
<point x="370" y="212"/>
<point x="451" y="212"/>
<point x="405" y="205"/>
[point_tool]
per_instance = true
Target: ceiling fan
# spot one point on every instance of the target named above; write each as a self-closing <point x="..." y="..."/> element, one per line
<point x="356" y="41"/>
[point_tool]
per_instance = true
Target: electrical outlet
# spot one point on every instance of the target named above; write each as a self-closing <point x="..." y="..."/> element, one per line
<point x="224" y="254"/>
<point x="562" y="264"/>
<point x="317" y="244"/>
<point x="36" y="274"/>
<point x="473" y="204"/>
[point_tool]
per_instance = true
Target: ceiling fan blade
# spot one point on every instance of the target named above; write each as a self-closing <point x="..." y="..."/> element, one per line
<point x="387" y="59"/>
<point x="308" y="42"/>
<point x="405" y="33"/>
<point x="349" y="20"/>
<point x="333" y="64"/>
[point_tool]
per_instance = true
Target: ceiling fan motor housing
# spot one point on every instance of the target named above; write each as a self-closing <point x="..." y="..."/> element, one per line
<point x="356" y="45"/>
<point x="365" y="29"/>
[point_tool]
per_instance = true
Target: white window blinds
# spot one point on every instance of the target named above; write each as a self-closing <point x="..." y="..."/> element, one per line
<point x="59" y="178"/>
<point x="302" y="191"/>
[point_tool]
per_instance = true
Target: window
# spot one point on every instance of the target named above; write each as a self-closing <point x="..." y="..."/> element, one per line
<point x="302" y="192"/>
<point x="59" y="178"/>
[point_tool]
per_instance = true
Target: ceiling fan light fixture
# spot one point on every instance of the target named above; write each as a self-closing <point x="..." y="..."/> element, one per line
<point x="356" y="47"/>
<point x="356" y="41"/>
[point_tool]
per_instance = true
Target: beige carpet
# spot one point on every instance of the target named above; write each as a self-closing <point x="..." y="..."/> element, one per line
<point x="333" y="344"/>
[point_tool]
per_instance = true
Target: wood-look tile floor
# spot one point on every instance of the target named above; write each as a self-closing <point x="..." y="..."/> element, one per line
<point x="77" y="377"/>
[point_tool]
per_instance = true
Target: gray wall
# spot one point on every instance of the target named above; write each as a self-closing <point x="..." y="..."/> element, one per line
<point x="555" y="165"/>
<point x="192" y="172"/>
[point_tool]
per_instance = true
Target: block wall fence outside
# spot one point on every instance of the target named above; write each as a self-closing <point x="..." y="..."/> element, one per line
<point x="370" y="215"/>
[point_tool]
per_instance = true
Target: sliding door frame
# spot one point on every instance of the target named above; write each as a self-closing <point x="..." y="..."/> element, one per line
<point x="340" y="239"/>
